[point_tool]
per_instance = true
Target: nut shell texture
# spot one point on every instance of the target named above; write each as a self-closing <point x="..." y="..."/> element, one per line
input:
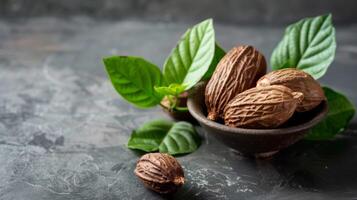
<point x="160" y="172"/>
<point x="264" y="107"/>
<point x="238" y="71"/>
<point x="298" y="81"/>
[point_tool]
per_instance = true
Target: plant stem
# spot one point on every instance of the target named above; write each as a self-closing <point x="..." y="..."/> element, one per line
<point x="172" y="102"/>
<point x="181" y="108"/>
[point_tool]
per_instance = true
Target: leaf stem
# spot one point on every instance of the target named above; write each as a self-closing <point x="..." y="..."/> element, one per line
<point x="181" y="108"/>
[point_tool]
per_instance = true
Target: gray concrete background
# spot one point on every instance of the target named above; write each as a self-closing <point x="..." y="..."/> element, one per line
<point x="63" y="128"/>
<point x="270" y="12"/>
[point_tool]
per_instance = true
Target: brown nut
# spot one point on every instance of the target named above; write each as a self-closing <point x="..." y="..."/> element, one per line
<point x="160" y="172"/>
<point x="262" y="107"/>
<point x="298" y="81"/>
<point x="238" y="71"/>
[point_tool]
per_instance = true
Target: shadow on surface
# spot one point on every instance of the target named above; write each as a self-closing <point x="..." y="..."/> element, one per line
<point x="320" y="165"/>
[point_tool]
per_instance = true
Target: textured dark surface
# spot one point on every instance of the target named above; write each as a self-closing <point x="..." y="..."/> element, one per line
<point x="224" y="11"/>
<point x="63" y="129"/>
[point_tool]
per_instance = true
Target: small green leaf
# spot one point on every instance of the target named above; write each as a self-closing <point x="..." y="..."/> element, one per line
<point x="173" y="89"/>
<point x="341" y="111"/>
<point x="182" y="138"/>
<point x="218" y="55"/>
<point x="149" y="137"/>
<point x="192" y="56"/>
<point x="134" y="79"/>
<point x="166" y="137"/>
<point x="309" y="45"/>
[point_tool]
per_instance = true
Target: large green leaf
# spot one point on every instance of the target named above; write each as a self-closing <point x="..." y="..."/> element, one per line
<point x="308" y="45"/>
<point x="340" y="113"/>
<point x="165" y="136"/>
<point x="218" y="55"/>
<point x="182" y="138"/>
<point x="192" y="56"/>
<point x="134" y="79"/>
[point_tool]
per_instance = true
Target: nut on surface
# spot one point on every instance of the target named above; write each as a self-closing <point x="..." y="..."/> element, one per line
<point x="298" y="81"/>
<point x="262" y="107"/>
<point x="160" y="172"/>
<point x="237" y="71"/>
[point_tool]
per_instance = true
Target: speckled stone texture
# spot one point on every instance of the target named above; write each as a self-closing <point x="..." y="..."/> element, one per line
<point x="224" y="11"/>
<point x="63" y="128"/>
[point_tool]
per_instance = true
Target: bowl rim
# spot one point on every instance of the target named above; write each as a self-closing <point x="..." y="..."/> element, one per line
<point x="199" y="116"/>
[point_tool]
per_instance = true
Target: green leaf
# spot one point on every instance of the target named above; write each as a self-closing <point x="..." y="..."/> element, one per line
<point x="218" y="55"/>
<point x="149" y="137"/>
<point x="192" y="56"/>
<point x="182" y="138"/>
<point x="309" y="45"/>
<point x="134" y="79"/>
<point x="341" y="111"/>
<point x="166" y="137"/>
<point x="173" y="89"/>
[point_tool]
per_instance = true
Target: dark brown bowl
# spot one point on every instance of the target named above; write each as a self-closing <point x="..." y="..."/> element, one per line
<point x="255" y="142"/>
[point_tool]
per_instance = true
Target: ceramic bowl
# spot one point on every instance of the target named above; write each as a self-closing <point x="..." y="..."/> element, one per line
<point x="255" y="142"/>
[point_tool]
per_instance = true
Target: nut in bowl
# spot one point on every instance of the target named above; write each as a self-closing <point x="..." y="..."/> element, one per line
<point x="254" y="113"/>
<point x="255" y="142"/>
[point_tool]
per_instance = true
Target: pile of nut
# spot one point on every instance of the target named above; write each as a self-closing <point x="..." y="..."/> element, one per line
<point x="243" y="95"/>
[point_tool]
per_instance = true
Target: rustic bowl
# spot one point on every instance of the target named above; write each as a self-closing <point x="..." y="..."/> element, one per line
<point x="255" y="142"/>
